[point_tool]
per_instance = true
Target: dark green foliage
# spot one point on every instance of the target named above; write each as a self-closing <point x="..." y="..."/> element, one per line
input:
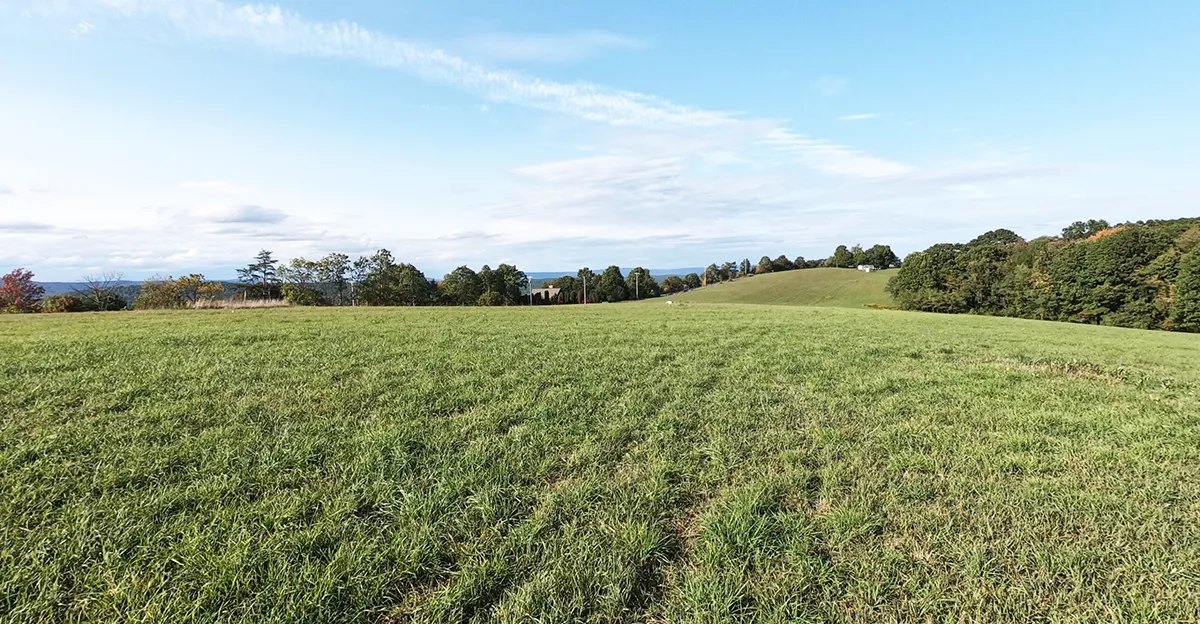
<point x="587" y="284"/>
<point x="929" y="280"/>
<point x="611" y="286"/>
<point x="781" y="264"/>
<point x="1122" y="276"/>
<point x="107" y="301"/>
<point x="858" y="255"/>
<point x="841" y="258"/>
<point x="260" y="278"/>
<point x="673" y="284"/>
<point x="728" y="271"/>
<point x="296" y="294"/>
<point x="570" y="289"/>
<point x="996" y="237"/>
<point x="1084" y="229"/>
<point x="879" y="256"/>
<point x="692" y="280"/>
<point x="503" y="285"/>
<point x="462" y="286"/>
<point x="641" y="285"/>
<point x="333" y="272"/>
<point x="1185" y="309"/>
<point x="764" y="265"/>
<point x="1189" y="240"/>
<point x="712" y="274"/>
<point x="389" y="284"/>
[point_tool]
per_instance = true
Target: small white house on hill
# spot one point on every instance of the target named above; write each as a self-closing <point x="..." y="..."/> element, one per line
<point x="867" y="268"/>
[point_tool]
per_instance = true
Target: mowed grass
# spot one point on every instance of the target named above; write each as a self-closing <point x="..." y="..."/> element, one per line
<point x="842" y="288"/>
<point x="595" y="464"/>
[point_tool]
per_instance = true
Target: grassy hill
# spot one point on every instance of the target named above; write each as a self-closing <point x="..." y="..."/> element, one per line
<point x="842" y="288"/>
<point x="595" y="463"/>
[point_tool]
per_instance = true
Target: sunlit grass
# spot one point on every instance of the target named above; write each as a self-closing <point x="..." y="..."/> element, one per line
<point x="595" y="463"/>
<point x="840" y="288"/>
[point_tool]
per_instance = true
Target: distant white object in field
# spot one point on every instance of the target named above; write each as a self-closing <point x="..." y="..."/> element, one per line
<point x="668" y="302"/>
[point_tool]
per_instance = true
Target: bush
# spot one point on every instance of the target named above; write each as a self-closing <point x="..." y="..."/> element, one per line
<point x="160" y="295"/>
<point x="299" y="295"/>
<point x="54" y="304"/>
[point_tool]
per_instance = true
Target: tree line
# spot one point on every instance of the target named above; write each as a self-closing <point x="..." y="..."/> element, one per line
<point x="380" y="280"/>
<point x="1142" y="274"/>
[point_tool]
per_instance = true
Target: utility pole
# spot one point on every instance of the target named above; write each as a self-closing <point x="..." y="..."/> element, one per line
<point x="635" y="287"/>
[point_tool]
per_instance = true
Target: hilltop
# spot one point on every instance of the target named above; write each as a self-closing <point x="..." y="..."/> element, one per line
<point x="840" y="288"/>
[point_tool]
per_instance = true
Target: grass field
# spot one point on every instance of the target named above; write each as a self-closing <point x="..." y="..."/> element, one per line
<point x="600" y="463"/>
<point x="842" y="288"/>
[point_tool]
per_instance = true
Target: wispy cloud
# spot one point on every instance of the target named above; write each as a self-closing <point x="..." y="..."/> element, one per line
<point x="5" y="190"/>
<point x="82" y="28"/>
<point x="246" y="213"/>
<point x="857" y="117"/>
<point x="548" y="48"/>
<point x="24" y="226"/>
<point x="281" y="31"/>
<point x="834" y="159"/>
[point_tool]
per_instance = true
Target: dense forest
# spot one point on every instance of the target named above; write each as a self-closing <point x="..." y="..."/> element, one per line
<point x="1144" y="274"/>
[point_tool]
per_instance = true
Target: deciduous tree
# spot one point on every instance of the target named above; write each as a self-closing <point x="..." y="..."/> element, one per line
<point x="842" y="258"/>
<point x="611" y="286"/>
<point x="462" y="286"/>
<point x="102" y="293"/>
<point x="19" y="293"/>
<point x="641" y="285"/>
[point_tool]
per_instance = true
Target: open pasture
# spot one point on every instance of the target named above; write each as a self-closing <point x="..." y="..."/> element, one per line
<point x="620" y="463"/>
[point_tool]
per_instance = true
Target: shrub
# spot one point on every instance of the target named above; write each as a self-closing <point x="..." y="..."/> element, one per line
<point x="158" y="294"/>
<point x="62" y="303"/>
<point x="299" y="295"/>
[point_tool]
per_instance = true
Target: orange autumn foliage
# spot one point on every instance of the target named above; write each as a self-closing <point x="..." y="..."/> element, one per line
<point x="1107" y="232"/>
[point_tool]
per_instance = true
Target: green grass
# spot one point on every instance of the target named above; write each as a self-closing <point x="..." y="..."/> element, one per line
<point x="841" y="288"/>
<point x="599" y="463"/>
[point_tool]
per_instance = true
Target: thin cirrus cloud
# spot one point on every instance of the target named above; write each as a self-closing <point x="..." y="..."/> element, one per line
<point x="247" y="214"/>
<point x="24" y="226"/>
<point x="549" y="48"/>
<point x="285" y="32"/>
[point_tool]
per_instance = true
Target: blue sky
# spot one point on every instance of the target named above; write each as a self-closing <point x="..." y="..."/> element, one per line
<point x="154" y="137"/>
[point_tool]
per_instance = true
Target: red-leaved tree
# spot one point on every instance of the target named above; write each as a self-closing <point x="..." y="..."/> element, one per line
<point x="19" y="293"/>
